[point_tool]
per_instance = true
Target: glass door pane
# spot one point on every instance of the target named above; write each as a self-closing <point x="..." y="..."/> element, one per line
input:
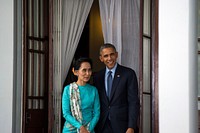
<point x="146" y="18"/>
<point x="146" y="88"/>
<point x="146" y="65"/>
<point x="146" y="113"/>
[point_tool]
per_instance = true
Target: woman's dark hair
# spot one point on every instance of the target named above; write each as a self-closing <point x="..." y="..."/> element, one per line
<point x="79" y="61"/>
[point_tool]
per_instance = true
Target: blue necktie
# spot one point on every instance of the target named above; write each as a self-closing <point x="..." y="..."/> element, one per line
<point x="109" y="83"/>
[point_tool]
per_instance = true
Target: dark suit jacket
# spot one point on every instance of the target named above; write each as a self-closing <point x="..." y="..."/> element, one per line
<point x="123" y="106"/>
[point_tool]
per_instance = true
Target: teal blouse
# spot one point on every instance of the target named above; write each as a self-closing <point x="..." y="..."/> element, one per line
<point x="90" y="108"/>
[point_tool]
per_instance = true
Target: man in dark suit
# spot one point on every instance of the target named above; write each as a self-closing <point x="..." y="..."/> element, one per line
<point x="119" y="103"/>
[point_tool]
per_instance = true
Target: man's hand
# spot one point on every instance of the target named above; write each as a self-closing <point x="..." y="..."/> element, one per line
<point x="83" y="130"/>
<point x="130" y="130"/>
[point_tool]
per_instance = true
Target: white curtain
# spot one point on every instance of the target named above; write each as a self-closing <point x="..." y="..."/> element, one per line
<point x="69" y="20"/>
<point x="75" y="13"/>
<point x="57" y="83"/>
<point x="121" y="27"/>
<point x="110" y="12"/>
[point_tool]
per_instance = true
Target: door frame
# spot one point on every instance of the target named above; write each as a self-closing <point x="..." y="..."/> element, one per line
<point x="50" y="80"/>
<point x="155" y="100"/>
<point x="154" y="66"/>
<point x="155" y="45"/>
<point x="50" y="68"/>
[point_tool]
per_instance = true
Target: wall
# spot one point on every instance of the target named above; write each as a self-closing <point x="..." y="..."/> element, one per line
<point x="177" y="66"/>
<point x="6" y="59"/>
<point x="198" y="35"/>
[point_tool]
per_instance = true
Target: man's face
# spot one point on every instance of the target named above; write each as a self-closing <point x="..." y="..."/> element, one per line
<point x="108" y="56"/>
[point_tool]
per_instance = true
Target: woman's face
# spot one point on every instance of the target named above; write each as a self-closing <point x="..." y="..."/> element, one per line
<point x="84" y="72"/>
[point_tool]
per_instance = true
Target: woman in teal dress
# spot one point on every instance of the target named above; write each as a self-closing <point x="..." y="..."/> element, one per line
<point x="80" y="101"/>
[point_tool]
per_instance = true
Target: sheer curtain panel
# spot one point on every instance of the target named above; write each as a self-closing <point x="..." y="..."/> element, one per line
<point x="110" y="12"/>
<point x="121" y="27"/>
<point x="130" y="34"/>
<point x="57" y="83"/>
<point x="75" y="13"/>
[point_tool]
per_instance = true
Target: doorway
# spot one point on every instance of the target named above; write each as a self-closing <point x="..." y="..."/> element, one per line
<point x="148" y="82"/>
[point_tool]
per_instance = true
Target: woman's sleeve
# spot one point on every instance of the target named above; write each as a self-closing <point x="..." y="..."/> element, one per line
<point x="96" y="111"/>
<point x="66" y="109"/>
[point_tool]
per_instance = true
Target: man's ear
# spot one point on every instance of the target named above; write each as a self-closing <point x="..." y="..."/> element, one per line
<point x="100" y="57"/>
<point x="116" y="54"/>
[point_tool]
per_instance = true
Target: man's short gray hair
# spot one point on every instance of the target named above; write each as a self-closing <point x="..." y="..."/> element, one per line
<point x="106" y="45"/>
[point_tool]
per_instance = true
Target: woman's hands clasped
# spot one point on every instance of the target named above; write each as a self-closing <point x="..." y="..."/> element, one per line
<point x="83" y="130"/>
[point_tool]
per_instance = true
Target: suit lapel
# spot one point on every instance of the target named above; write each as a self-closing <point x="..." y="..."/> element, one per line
<point x="115" y="81"/>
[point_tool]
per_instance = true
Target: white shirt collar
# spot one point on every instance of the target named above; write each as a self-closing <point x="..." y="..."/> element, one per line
<point x="113" y="69"/>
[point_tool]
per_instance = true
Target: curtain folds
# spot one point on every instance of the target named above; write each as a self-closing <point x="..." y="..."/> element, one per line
<point x="74" y="14"/>
<point x="121" y="27"/>
<point x="57" y="84"/>
<point x="69" y="19"/>
<point x="110" y="12"/>
<point x="131" y="34"/>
